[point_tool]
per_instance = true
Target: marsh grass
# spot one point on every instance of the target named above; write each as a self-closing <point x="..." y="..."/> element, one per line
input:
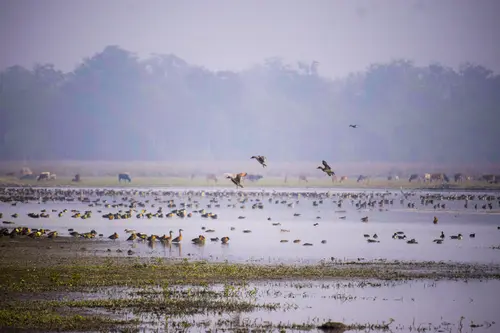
<point x="86" y="272"/>
<point x="50" y="320"/>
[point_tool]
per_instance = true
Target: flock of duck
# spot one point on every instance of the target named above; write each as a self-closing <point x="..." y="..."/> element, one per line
<point x="148" y="204"/>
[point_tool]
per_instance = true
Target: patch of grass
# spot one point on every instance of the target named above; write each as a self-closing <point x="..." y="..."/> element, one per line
<point x="87" y="272"/>
<point x="163" y="306"/>
<point x="49" y="320"/>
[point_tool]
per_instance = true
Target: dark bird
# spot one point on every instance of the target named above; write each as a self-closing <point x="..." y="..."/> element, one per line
<point x="326" y="169"/>
<point x="353" y="126"/>
<point x="237" y="179"/>
<point x="261" y="159"/>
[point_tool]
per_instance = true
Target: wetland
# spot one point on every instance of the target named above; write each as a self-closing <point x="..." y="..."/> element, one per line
<point x="263" y="278"/>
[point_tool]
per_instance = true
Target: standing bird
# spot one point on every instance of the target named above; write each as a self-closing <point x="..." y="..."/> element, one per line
<point x="353" y="126"/>
<point x="261" y="159"/>
<point x="326" y="169"/>
<point x="178" y="239"/>
<point x="237" y="179"/>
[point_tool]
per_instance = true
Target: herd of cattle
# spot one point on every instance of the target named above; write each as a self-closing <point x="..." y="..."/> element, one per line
<point x="26" y="173"/>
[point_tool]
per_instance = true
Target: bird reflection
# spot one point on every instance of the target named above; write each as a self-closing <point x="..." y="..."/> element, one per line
<point x="178" y="246"/>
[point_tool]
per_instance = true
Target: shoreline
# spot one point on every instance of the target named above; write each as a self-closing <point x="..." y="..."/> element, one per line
<point x="270" y="183"/>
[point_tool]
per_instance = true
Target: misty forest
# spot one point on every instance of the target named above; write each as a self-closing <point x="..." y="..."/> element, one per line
<point x="115" y="106"/>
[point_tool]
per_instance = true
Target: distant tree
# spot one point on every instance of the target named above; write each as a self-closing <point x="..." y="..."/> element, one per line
<point x="115" y="106"/>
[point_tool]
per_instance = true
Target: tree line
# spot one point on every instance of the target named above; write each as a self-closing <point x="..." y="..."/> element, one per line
<point x="117" y="107"/>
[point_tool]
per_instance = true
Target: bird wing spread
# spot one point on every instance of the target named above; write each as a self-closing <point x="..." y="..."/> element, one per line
<point x="326" y="164"/>
<point x="238" y="176"/>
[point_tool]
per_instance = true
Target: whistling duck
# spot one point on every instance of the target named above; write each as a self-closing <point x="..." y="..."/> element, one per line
<point x="178" y="238"/>
<point x="326" y="169"/>
<point x="261" y="159"/>
<point x="237" y="179"/>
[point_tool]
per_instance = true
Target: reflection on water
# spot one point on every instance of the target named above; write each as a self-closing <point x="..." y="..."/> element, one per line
<point x="436" y="306"/>
<point x="274" y="228"/>
<point x="422" y="306"/>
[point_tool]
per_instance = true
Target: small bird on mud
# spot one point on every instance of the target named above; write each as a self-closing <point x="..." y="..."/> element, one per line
<point x="237" y="179"/>
<point x="435" y="221"/>
<point x="261" y="159"/>
<point x="326" y="169"/>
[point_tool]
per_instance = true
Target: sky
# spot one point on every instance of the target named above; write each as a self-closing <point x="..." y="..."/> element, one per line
<point x="343" y="36"/>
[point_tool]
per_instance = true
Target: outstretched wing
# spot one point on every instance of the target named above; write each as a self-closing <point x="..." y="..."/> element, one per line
<point x="326" y="165"/>
<point x="240" y="175"/>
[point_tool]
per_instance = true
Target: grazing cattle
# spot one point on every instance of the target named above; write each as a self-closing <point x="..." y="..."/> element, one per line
<point x="414" y="177"/>
<point x="489" y="178"/>
<point x="459" y="177"/>
<point x="303" y="178"/>
<point x="427" y="177"/>
<point x="254" y="178"/>
<point x="25" y="171"/>
<point x="125" y="176"/>
<point x="76" y="178"/>
<point x="438" y="177"/>
<point x="43" y="176"/>
<point x="393" y="178"/>
<point x="343" y="179"/>
<point x="213" y="177"/>
<point x="52" y="176"/>
<point x="362" y="178"/>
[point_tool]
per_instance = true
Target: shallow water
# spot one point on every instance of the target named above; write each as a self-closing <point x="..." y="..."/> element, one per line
<point x="413" y="303"/>
<point x="436" y="306"/>
<point x="344" y="238"/>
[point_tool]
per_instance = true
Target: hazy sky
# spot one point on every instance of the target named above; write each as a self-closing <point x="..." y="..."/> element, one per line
<point x="224" y="34"/>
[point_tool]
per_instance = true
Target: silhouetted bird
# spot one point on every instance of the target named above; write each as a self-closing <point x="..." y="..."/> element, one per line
<point x="261" y="159"/>
<point x="326" y="169"/>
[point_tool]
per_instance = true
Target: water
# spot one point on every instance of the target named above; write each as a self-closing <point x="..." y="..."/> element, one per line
<point x="436" y="306"/>
<point x="344" y="238"/>
<point x="417" y="303"/>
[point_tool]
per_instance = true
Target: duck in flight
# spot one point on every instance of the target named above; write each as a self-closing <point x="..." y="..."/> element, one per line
<point x="326" y="169"/>
<point x="261" y="159"/>
<point x="237" y="179"/>
<point x="353" y="126"/>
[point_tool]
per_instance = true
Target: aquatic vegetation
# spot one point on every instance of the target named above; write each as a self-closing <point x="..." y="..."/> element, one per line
<point x="81" y="280"/>
<point x="48" y="320"/>
<point x="85" y="272"/>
